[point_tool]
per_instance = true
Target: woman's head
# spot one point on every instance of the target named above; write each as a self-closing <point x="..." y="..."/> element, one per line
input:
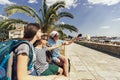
<point x="42" y="41"/>
<point x="54" y="35"/>
<point x="32" y="30"/>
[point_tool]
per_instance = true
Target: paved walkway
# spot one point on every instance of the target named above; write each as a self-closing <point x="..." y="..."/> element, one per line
<point x="89" y="64"/>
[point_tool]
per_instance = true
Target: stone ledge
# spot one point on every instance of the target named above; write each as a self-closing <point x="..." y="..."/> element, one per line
<point x="109" y="48"/>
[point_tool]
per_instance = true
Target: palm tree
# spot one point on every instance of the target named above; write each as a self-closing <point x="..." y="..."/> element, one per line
<point x="50" y="16"/>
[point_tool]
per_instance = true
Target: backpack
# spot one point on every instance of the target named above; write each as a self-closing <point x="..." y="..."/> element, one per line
<point x="6" y="49"/>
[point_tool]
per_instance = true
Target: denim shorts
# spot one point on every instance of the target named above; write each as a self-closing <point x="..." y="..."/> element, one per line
<point x="54" y="59"/>
<point x="34" y="73"/>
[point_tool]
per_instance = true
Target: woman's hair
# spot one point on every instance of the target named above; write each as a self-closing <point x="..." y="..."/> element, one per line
<point x="38" y="42"/>
<point x="30" y="30"/>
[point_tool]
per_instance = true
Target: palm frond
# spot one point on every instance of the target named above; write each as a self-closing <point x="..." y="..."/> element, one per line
<point x="9" y="10"/>
<point x="44" y="7"/>
<point x="65" y="14"/>
<point x="43" y="10"/>
<point x="53" y="8"/>
<point x="11" y="22"/>
<point x="67" y="27"/>
<point x="56" y="6"/>
<point x="52" y="19"/>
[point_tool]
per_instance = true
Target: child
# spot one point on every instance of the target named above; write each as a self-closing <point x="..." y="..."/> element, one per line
<point x="41" y="65"/>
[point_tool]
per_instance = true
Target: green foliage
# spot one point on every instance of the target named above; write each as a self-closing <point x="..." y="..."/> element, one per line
<point x="9" y="23"/>
<point x="3" y="34"/>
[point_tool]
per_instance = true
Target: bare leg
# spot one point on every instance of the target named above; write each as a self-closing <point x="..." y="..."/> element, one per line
<point x="59" y="62"/>
<point x="60" y="78"/>
<point x="60" y="71"/>
<point x="65" y="64"/>
<point x="54" y="77"/>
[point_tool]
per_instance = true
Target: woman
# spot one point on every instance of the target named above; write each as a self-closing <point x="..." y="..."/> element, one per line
<point x="32" y="33"/>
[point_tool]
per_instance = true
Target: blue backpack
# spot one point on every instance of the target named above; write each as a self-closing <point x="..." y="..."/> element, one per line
<point x="6" y="48"/>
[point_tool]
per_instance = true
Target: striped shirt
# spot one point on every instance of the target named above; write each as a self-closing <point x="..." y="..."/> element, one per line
<point x="41" y="64"/>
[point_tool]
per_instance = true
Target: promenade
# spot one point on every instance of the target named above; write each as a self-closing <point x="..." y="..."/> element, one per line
<point x="89" y="64"/>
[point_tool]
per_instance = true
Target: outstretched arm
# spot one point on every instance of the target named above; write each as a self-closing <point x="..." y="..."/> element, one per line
<point x="71" y="41"/>
<point x="54" y="47"/>
<point x="74" y="39"/>
<point x="22" y="74"/>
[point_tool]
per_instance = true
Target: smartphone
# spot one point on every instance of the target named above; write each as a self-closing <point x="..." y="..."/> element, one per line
<point x="79" y="35"/>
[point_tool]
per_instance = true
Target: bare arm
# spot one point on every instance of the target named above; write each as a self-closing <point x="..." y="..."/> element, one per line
<point x="64" y="43"/>
<point x="22" y="61"/>
<point x="71" y="41"/>
<point x="54" y="47"/>
<point x="22" y="70"/>
<point x="74" y="39"/>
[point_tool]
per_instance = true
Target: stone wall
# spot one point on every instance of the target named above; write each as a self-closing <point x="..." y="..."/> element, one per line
<point x="109" y="48"/>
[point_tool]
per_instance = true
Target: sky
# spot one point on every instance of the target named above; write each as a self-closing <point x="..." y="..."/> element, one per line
<point x="93" y="17"/>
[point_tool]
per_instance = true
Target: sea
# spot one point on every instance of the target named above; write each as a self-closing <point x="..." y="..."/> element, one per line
<point x="115" y="40"/>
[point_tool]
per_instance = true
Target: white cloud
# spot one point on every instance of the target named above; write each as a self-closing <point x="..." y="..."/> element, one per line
<point x="32" y="1"/>
<point x="6" y="2"/>
<point x="117" y="19"/>
<point x="105" y="27"/>
<point x="90" y="7"/>
<point x="69" y="3"/>
<point x="104" y="2"/>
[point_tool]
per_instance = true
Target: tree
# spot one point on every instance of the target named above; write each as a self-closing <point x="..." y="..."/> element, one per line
<point x="50" y="16"/>
<point x="3" y="34"/>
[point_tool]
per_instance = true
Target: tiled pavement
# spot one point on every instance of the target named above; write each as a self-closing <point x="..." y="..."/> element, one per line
<point x="89" y="64"/>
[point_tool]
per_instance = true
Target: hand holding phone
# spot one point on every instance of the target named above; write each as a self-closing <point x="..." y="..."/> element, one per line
<point x="79" y="35"/>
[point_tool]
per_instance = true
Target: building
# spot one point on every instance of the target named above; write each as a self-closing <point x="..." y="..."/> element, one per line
<point x="99" y="38"/>
<point x="88" y="37"/>
<point x="19" y="29"/>
<point x="18" y="32"/>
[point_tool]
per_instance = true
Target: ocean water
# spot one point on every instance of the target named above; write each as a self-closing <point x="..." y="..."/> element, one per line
<point x="115" y="40"/>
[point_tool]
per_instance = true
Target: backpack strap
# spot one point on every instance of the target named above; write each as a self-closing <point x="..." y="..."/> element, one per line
<point x="30" y="52"/>
<point x="31" y="58"/>
<point x="9" y="66"/>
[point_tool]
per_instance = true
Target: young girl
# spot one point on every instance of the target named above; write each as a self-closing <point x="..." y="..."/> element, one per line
<point x="41" y="65"/>
<point x="32" y="33"/>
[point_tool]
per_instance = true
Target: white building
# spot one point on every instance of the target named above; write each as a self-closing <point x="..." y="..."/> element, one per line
<point x="18" y="32"/>
<point x="88" y="37"/>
